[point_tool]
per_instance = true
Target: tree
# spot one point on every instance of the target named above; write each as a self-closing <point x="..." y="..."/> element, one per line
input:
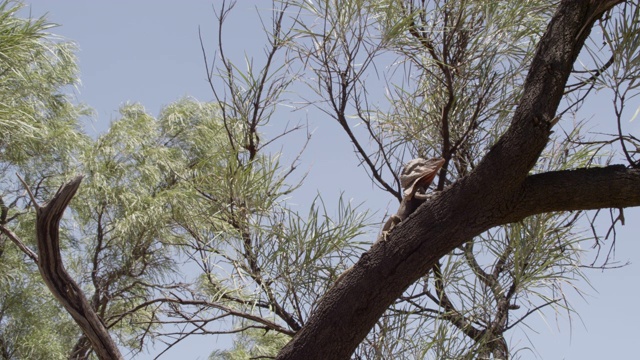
<point x="495" y="185"/>
<point x="198" y="187"/>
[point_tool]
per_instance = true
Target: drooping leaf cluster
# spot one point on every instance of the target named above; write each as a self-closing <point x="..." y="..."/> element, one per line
<point x="39" y="138"/>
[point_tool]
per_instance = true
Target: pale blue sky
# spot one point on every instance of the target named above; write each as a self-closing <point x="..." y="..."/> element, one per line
<point x="148" y="52"/>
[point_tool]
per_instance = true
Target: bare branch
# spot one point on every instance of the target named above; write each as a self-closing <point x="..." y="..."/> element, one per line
<point x="63" y="287"/>
<point x="16" y="240"/>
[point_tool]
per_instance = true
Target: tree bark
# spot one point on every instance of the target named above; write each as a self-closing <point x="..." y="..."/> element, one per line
<point x="63" y="287"/>
<point x="498" y="191"/>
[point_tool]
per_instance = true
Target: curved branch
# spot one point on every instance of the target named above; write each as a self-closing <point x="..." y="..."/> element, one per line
<point x="63" y="287"/>
<point x="451" y="313"/>
<point x="489" y="280"/>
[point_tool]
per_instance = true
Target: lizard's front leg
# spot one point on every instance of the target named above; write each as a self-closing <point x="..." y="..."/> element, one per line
<point x="389" y="225"/>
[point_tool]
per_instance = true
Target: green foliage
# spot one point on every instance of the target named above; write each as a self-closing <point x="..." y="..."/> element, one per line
<point x="38" y="122"/>
<point x="175" y="188"/>
<point x="39" y="139"/>
<point x="473" y="70"/>
<point x="121" y="214"/>
<point x="252" y="344"/>
<point x="32" y="324"/>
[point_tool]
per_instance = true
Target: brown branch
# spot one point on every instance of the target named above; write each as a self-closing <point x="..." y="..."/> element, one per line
<point x="227" y="311"/>
<point x="21" y="245"/>
<point x="60" y="283"/>
<point x="81" y="349"/>
<point x="581" y="189"/>
<point x="451" y="313"/>
<point x="489" y="280"/>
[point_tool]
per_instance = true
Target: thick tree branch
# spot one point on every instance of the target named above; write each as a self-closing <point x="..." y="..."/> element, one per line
<point x="582" y="189"/>
<point x="485" y="198"/>
<point x="63" y="287"/>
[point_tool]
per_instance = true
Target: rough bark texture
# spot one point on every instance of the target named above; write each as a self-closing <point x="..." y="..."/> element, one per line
<point x="498" y="191"/>
<point x="63" y="287"/>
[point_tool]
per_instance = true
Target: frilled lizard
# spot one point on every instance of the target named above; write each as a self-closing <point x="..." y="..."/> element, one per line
<point x="415" y="178"/>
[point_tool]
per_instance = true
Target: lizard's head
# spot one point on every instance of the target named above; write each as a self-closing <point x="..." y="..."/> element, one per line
<point x="418" y="174"/>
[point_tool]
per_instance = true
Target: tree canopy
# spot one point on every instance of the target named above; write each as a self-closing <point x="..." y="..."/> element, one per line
<point x="182" y="224"/>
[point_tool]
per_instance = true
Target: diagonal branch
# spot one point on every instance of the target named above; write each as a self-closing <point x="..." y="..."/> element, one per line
<point x="16" y="240"/>
<point x="63" y="287"/>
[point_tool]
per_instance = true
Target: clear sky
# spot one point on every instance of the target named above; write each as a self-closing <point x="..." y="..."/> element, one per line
<point x="148" y="51"/>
